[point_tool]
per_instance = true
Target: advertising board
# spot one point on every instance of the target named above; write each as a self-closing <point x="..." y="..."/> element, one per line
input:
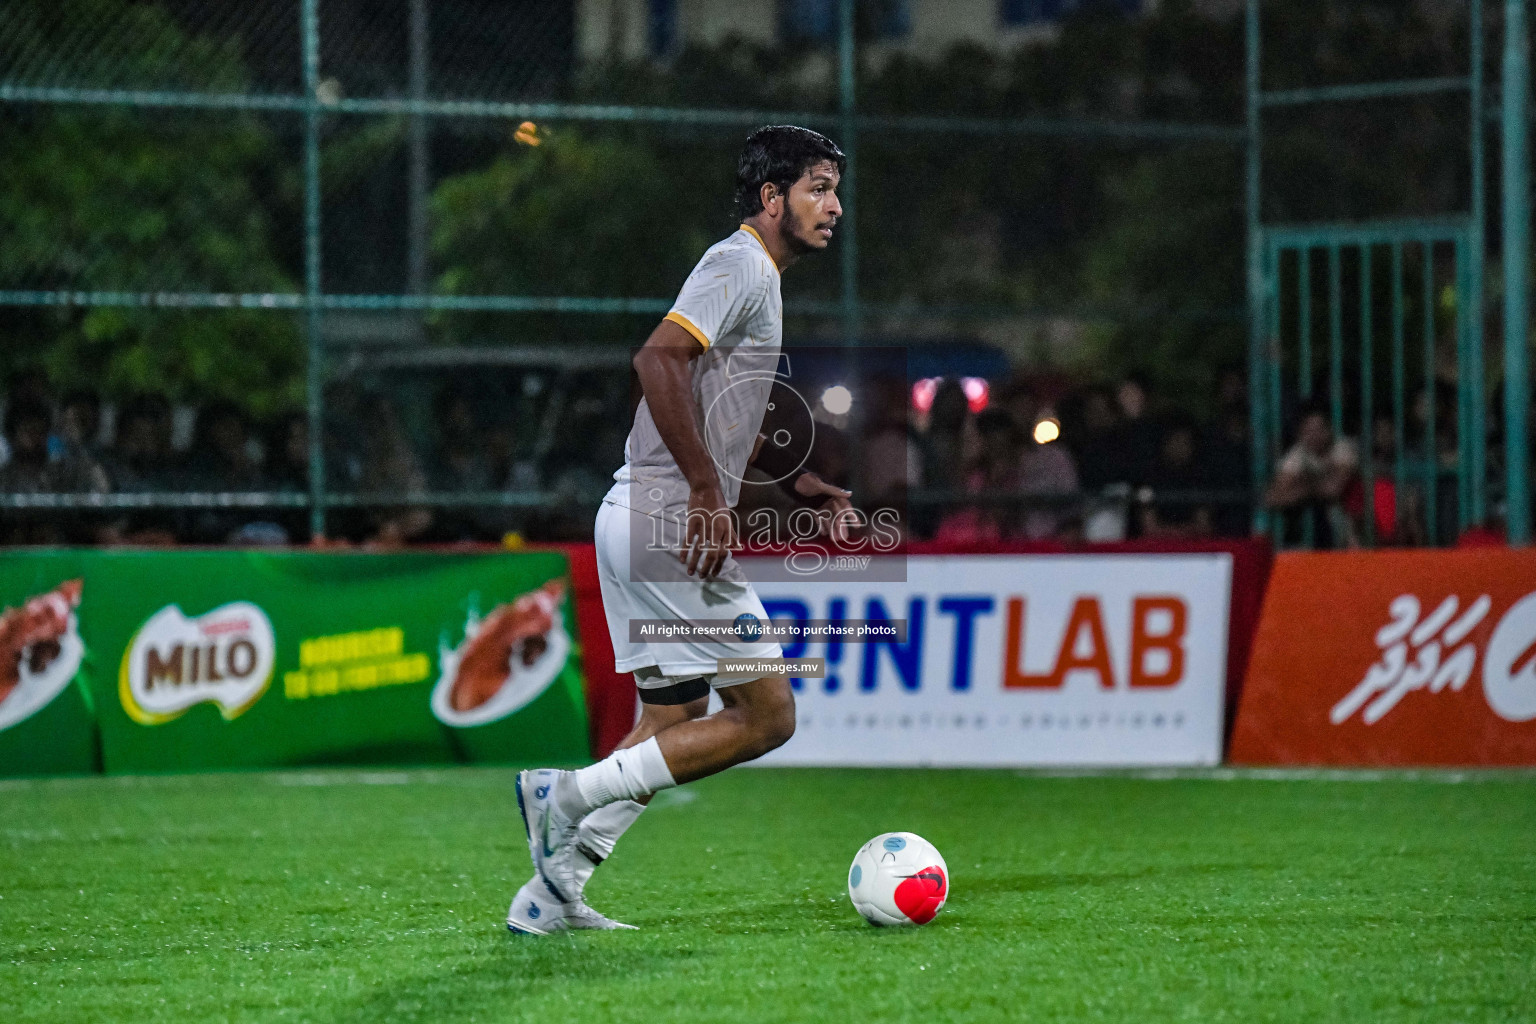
<point x="47" y="723"/>
<point x="1016" y="660"/>
<point x="1394" y="658"/>
<point x="185" y="660"/>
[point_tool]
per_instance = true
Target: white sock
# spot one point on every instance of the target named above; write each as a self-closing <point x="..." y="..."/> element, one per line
<point x="627" y="774"/>
<point x="599" y="831"/>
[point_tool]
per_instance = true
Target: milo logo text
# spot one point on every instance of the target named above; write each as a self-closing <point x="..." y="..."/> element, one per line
<point x="224" y="657"/>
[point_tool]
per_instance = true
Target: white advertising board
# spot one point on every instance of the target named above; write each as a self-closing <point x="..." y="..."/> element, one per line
<point x="1017" y="660"/>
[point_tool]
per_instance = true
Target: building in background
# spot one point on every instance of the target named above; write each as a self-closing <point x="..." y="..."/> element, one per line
<point x="657" y="28"/>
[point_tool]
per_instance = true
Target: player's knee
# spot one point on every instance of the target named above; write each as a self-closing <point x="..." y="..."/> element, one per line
<point x="776" y="724"/>
<point x="782" y="727"/>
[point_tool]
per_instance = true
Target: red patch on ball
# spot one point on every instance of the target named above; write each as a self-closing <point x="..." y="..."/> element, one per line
<point x="919" y="896"/>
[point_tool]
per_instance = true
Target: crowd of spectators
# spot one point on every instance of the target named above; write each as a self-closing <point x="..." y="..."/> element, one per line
<point x="493" y="463"/>
<point x="67" y="446"/>
<point x="1032" y="461"/>
<point x="1040" y="463"/>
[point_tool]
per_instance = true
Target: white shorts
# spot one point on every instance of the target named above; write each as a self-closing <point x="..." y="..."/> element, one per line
<point x="665" y="591"/>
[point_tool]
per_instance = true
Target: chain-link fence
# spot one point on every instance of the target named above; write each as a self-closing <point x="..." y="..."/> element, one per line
<point x="373" y="267"/>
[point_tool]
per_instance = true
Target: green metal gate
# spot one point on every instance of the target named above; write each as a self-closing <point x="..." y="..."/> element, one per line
<point x="1400" y="307"/>
<point x="1367" y="320"/>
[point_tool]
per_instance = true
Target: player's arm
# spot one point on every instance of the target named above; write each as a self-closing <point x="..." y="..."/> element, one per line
<point x="664" y="364"/>
<point x="833" y="505"/>
<point x="1291" y="486"/>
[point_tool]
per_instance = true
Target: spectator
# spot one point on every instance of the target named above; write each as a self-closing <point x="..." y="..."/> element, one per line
<point x="221" y="461"/>
<point x="892" y="460"/>
<point x="949" y="446"/>
<point x="287" y="471"/>
<point x="1226" y="452"/>
<point x="141" y="460"/>
<point x="1045" y="470"/>
<point x="459" y="460"/>
<point x="1180" y="467"/>
<point x="1131" y="446"/>
<point x="220" y="458"/>
<point x="994" y="469"/>
<point x="80" y="424"/>
<point x="31" y="471"/>
<point x="391" y="467"/>
<point x="26" y="438"/>
<point x="459" y="463"/>
<point x="586" y="443"/>
<point x="29" y="387"/>
<point x="287" y="467"/>
<point x="1311" y="480"/>
<point x="1398" y="516"/>
<point x="1438" y="463"/>
<point x="1089" y="425"/>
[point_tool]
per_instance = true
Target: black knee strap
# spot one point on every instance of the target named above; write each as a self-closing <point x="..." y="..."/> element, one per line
<point x="685" y="692"/>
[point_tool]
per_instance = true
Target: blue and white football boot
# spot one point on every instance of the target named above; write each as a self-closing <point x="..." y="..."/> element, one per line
<point x="535" y="912"/>
<point x="551" y="835"/>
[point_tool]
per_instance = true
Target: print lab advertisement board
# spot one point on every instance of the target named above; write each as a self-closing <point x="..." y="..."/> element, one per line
<point x="1394" y="658"/>
<point x="226" y="659"/>
<point x="1115" y="659"/>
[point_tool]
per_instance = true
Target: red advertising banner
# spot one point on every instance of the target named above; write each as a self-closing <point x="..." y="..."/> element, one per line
<point x="1394" y="658"/>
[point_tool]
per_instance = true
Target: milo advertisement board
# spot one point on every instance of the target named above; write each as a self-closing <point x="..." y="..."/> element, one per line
<point x="47" y="724"/>
<point x="229" y="659"/>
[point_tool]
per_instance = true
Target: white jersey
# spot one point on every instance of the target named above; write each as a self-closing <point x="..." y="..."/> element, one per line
<point x="731" y="304"/>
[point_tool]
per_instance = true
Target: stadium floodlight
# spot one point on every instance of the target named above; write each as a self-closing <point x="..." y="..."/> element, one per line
<point x="837" y="400"/>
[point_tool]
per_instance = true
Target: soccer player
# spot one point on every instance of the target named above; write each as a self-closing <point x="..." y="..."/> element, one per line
<point x="665" y="532"/>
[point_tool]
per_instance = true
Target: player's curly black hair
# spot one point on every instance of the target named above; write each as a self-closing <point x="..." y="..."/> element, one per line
<point x="779" y="153"/>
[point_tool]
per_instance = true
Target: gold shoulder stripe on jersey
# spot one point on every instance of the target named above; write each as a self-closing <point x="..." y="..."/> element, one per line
<point x="687" y="325"/>
<point x="753" y="232"/>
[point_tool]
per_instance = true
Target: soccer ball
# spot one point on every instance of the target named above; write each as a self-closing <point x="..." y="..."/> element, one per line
<point x="898" y="878"/>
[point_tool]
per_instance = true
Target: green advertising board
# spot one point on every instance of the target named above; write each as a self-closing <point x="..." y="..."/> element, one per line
<point x="47" y="721"/>
<point x="232" y="659"/>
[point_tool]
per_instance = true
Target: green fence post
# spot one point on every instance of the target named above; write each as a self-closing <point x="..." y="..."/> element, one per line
<point x="1467" y="439"/>
<point x="1399" y="410"/>
<point x="847" y="105"/>
<point x="1256" y="281"/>
<point x="1336" y="338"/>
<point x="418" y="166"/>
<point x="1474" y="282"/>
<point x="314" y="375"/>
<point x="1275" y="354"/>
<point x="1431" y="447"/>
<point x="1367" y="410"/>
<point x="1304" y="323"/>
<point x="1517" y="239"/>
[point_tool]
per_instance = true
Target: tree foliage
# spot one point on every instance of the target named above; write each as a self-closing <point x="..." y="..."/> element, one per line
<point x="115" y="199"/>
<point x="106" y="198"/>
<point x="579" y="215"/>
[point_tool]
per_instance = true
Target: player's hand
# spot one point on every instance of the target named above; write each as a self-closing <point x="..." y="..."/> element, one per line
<point x="711" y="532"/>
<point x="835" y="515"/>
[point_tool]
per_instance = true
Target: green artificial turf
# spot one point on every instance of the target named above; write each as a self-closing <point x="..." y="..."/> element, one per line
<point x="380" y="896"/>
